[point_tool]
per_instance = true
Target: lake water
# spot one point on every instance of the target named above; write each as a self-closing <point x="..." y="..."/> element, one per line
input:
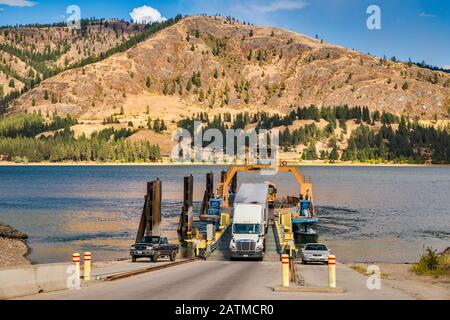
<point x="385" y="214"/>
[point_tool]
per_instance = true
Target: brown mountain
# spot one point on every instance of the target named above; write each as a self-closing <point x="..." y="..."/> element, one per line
<point x="29" y="53"/>
<point x="211" y="63"/>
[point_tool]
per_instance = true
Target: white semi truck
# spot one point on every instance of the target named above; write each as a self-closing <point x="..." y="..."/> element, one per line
<point x="250" y="221"/>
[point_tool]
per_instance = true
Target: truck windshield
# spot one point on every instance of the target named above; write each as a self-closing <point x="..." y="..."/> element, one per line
<point x="241" y="228"/>
<point x="150" y="240"/>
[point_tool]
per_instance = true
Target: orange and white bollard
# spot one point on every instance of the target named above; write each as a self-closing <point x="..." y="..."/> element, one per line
<point x="76" y="261"/>
<point x="332" y="271"/>
<point x="285" y="277"/>
<point x="87" y="266"/>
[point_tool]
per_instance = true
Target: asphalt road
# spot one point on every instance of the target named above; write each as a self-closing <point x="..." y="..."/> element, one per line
<point x="217" y="280"/>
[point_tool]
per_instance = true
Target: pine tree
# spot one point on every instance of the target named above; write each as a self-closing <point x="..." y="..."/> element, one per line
<point x="247" y="98"/>
<point x="334" y="155"/>
<point x="189" y="85"/>
<point x="250" y="55"/>
<point x="366" y="115"/>
<point x="149" y="123"/>
<point x="310" y="153"/>
<point x="201" y="96"/>
<point x="157" y="126"/>
<point x="166" y="89"/>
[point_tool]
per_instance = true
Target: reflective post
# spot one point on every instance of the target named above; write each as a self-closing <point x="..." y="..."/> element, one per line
<point x="87" y="266"/>
<point x="285" y="279"/>
<point x="76" y="261"/>
<point x="332" y="271"/>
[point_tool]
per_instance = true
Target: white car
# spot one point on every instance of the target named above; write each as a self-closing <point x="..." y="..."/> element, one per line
<point x="315" y="252"/>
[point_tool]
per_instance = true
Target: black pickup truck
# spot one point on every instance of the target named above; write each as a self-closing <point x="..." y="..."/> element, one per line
<point x="154" y="247"/>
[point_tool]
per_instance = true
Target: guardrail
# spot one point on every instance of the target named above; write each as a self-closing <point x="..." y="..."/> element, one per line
<point x="286" y="241"/>
<point x="280" y="242"/>
<point x="29" y="280"/>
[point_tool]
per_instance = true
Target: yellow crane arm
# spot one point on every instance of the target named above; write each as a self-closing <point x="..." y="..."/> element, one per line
<point x="305" y="188"/>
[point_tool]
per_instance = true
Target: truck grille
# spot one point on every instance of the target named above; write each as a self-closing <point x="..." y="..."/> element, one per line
<point x="245" y="245"/>
<point x="141" y="247"/>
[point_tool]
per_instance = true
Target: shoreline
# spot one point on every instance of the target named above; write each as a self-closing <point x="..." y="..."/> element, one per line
<point x="14" y="249"/>
<point x="400" y="276"/>
<point x="169" y="164"/>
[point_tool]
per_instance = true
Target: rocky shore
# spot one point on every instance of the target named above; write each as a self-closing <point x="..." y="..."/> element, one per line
<point x="13" y="247"/>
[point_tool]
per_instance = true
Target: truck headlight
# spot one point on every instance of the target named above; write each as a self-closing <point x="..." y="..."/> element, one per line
<point x="233" y="245"/>
<point x="149" y="248"/>
<point x="133" y="247"/>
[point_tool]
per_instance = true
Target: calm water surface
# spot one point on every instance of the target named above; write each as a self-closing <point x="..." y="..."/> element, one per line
<point x="367" y="213"/>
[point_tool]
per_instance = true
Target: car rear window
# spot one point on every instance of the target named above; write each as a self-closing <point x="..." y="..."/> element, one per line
<point x="150" y="240"/>
<point x="316" y="247"/>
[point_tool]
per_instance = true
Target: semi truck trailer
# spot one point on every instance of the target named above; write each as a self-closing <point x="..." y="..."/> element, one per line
<point x="250" y="221"/>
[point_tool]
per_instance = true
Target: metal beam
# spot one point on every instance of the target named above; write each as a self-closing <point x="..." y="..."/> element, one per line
<point x="151" y="214"/>
<point x="209" y="193"/>
<point x="187" y="219"/>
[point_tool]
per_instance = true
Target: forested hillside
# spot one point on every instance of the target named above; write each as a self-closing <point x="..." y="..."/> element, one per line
<point x="114" y="91"/>
<point x="32" y="53"/>
<point x="375" y="137"/>
<point x="23" y="139"/>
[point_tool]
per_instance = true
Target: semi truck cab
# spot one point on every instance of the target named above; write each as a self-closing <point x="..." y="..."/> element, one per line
<point x="248" y="232"/>
<point x="250" y="221"/>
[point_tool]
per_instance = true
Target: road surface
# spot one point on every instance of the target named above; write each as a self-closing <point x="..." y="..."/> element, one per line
<point x="222" y="280"/>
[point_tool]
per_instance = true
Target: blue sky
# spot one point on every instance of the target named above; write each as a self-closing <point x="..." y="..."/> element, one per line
<point x="419" y="29"/>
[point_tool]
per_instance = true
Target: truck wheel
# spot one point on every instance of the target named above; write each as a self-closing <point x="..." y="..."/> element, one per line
<point x="155" y="258"/>
<point x="133" y="259"/>
<point x="173" y="256"/>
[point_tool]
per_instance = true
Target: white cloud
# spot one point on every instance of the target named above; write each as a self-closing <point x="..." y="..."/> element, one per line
<point x="146" y="14"/>
<point x="280" y="5"/>
<point x="18" y="3"/>
<point x="427" y="15"/>
<point x="446" y="67"/>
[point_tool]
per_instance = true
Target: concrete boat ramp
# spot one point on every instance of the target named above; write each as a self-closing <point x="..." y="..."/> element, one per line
<point x="217" y="280"/>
